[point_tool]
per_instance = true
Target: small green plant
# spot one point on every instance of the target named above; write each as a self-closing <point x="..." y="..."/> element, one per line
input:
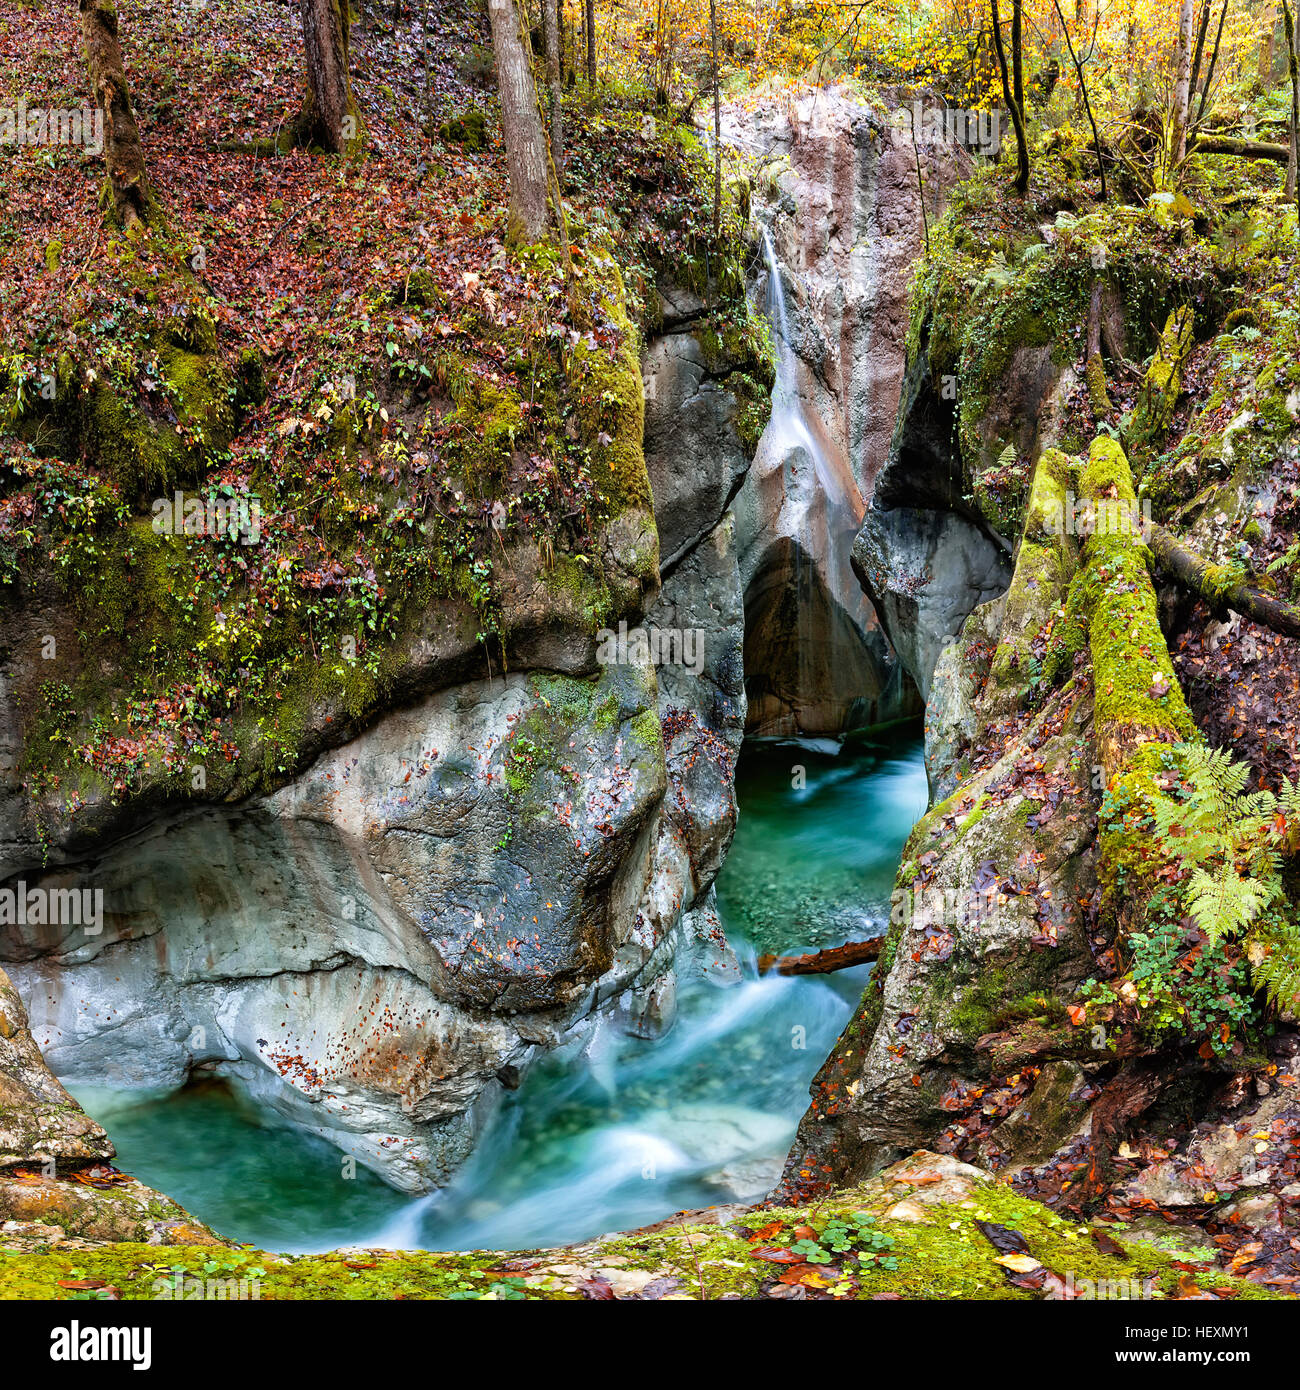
<point x="1230" y="844"/>
<point x="855" y="1237"/>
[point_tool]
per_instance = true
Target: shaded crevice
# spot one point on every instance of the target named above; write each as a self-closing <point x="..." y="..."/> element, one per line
<point x="924" y="556"/>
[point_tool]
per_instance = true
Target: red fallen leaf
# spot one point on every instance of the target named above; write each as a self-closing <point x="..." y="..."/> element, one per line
<point x="1078" y="1014"/>
<point x="804" y="1233"/>
<point x="918" y="1177"/>
<point x="766" y="1232"/>
<point x="597" y="1288"/>
<point x="361" y="1264"/>
<point x="886" y="1298"/>
<point x="781" y="1257"/>
<point x="83" y="1284"/>
<point x="1108" y="1245"/>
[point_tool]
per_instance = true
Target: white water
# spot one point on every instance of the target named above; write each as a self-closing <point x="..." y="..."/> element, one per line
<point x="788" y="431"/>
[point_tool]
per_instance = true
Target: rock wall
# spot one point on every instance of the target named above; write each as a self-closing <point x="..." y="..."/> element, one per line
<point x="836" y="185"/>
<point x="923" y="553"/>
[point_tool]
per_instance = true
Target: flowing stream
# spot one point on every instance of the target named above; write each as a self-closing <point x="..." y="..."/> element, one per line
<point x="626" y="1131"/>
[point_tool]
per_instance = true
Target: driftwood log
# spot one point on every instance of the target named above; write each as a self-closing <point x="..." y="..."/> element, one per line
<point x="822" y="962"/>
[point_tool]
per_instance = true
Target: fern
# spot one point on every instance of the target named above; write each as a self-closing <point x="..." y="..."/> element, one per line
<point x="1274" y="954"/>
<point x="1224" y="903"/>
<point x="1230" y="844"/>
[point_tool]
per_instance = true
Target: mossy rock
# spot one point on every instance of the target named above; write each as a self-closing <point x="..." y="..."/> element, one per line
<point x="468" y="129"/>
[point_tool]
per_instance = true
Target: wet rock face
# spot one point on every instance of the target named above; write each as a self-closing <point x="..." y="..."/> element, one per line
<point x="37" y="1116"/>
<point x="805" y="656"/>
<point x="55" y="1179"/>
<point x="927" y="570"/>
<point x="694" y="456"/>
<point x="923" y="554"/>
<point x="838" y="189"/>
<point x="368" y="947"/>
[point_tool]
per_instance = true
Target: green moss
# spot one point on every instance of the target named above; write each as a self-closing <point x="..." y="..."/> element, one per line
<point x="1137" y="690"/>
<point x="468" y="129"/>
<point x="738" y="349"/>
<point x="942" y="1255"/>
<point x="575" y="580"/>
<point x="1164" y="378"/>
<point x="975" y="1013"/>
<point x="1095" y="374"/>
<point x="421" y="288"/>
<point x="646" y="729"/>
<point x="610" y="401"/>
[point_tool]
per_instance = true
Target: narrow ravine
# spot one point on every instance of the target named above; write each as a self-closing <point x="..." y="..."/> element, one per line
<point x="626" y="1131"/>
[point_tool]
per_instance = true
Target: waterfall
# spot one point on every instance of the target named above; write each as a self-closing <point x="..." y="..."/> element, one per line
<point x="788" y="427"/>
<point x="810" y="490"/>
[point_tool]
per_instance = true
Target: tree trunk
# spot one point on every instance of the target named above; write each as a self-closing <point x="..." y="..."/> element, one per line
<point x="1268" y="26"/>
<point x="1018" y="79"/>
<point x="329" y="115"/>
<point x="1198" y="55"/>
<point x="1214" y="59"/>
<point x="1083" y="91"/>
<point x="717" y="124"/>
<point x="591" y="42"/>
<point x="128" y="181"/>
<point x="554" y="81"/>
<point x="1094" y="370"/>
<point x="1293" y="72"/>
<point x="1021" y="184"/>
<point x="1247" y="149"/>
<point x="521" y="126"/>
<point x="1182" y="90"/>
<point x="823" y="962"/>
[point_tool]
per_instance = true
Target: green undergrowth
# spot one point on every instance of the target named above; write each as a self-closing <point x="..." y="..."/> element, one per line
<point x="1004" y="276"/>
<point x="1190" y="868"/>
<point x="453" y="431"/>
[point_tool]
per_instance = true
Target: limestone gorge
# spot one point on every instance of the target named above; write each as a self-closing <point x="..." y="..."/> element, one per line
<point x="649" y="654"/>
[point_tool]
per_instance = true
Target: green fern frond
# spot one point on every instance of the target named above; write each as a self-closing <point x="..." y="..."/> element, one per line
<point x="1275" y="957"/>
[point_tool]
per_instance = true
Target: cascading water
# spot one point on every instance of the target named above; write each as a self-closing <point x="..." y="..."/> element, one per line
<point x="621" y="1131"/>
<point x="805" y="509"/>
<point x="788" y="433"/>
